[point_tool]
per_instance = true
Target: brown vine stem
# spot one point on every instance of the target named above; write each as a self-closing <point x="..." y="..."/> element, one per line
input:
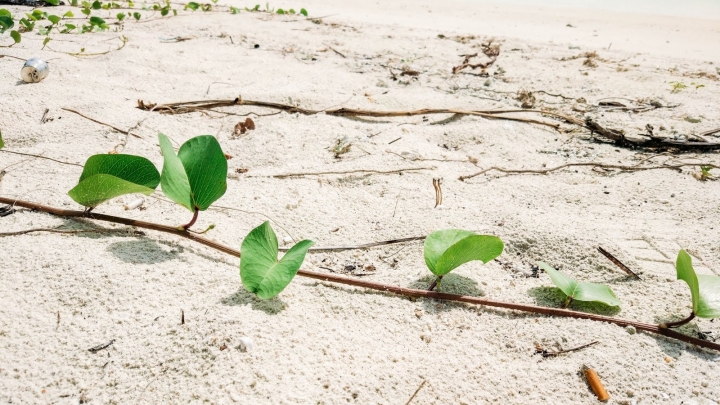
<point x="678" y="323"/>
<point x="409" y="169"/>
<point x="409" y="292"/>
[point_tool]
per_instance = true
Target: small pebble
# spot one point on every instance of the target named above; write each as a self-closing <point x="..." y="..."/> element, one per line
<point x="287" y="240"/>
<point x="630" y="329"/>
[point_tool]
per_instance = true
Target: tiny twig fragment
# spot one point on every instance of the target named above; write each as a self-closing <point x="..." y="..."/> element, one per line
<point x="618" y="263"/>
<point x="438" y="192"/>
<point x="416" y="392"/>
<point x="99" y="347"/>
<point x="553" y="353"/>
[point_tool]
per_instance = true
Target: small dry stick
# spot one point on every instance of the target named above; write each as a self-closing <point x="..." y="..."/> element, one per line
<point x="438" y="192"/>
<point x="58" y="321"/>
<point x="100" y="347"/>
<point x="102" y="123"/>
<point x="410" y="169"/>
<point x="40" y="157"/>
<point x="618" y="263"/>
<point x="416" y="392"/>
<point x="595" y="384"/>
<point x="182" y="317"/>
<point x="552" y="353"/>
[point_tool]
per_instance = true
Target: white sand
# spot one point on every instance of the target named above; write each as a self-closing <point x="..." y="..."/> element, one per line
<point x="324" y="344"/>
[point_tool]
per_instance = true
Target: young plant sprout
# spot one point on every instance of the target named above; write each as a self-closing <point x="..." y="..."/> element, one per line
<point x="108" y="176"/>
<point x="580" y="291"/>
<point x="704" y="289"/>
<point x="197" y="176"/>
<point x="447" y="249"/>
<point x="260" y="271"/>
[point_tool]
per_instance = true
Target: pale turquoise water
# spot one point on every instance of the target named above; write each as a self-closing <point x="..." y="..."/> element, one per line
<point x="708" y="9"/>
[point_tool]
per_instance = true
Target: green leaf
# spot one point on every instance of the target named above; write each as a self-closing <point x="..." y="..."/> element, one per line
<point x="704" y="289"/>
<point x="45" y="42"/>
<point x="69" y="14"/>
<point x="120" y="16"/>
<point x="54" y="19"/>
<point x="234" y="10"/>
<point x="164" y="12"/>
<point x="52" y="2"/>
<point x="109" y="176"/>
<point x="303" y="12"/>
<point x="192" y="6"/>
<point x="197" y="176"/>
<point x="206" y="168"/>
<point x="96" y="5"/>
<point x="280" y="11"/>
<point x="581" y="291"/>
<point x="260" y="271"/>
<point x="85" y="11"/>
<point x="97" y="21"/>
<point x="137" y="16"/>
<point x="447" y="249"/>
<point x="2" y="143"/>
<point x="174" y="181"/>
<point x="15" y="36"/>
<point x="6" y="23"/>
<point x="5" y="12"/>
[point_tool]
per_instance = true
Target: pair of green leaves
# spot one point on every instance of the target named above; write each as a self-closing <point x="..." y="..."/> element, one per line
<point x="194" y="178"/>
<point x="704" y="289"/>
<point x="260" y="270"/>
<point x="580" y="291"/>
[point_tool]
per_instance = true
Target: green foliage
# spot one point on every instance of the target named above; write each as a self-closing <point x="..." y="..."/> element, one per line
<point x="447" y="249"/>
<point x="2" y="143"/>
<point x="6" y="20"/>
<point x="704" y="289"/>
<point x="15" y="36"/>
<point x="260" y="271"/>
<point x="677" y="87"/>
<point x="303" y="12"/>
<point x="280" y="11"/>
<point x="54" y="19"/>
<point x="197" y="176"/>
<point x="137" y="16"/>
<point x="52" y="2"/>
<point x="109" y="176"/>
<point x="580" y="291"/>
<point x="192" y="6"/>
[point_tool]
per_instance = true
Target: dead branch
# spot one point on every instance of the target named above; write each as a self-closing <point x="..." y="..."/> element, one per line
<point x="410" y="169"/>
<point x="101" y="123"/>
<point x="410" y="292"/>
<point x="592" y="164"/>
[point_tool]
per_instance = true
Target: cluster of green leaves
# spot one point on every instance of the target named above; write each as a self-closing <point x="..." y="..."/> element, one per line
<point x="268" y="9"/>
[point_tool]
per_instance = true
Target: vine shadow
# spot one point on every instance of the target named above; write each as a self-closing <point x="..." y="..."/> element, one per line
<point x="143" y="251"/>
<point x="452" y="284"/>
<point x="242" y="297"/>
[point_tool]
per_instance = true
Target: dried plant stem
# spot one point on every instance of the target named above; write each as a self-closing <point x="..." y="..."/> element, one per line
<point x="101" y="123"/>
<point x="39" y="157"/>
<point x="592" y="164"/>
<point x="409" y="292"/>
<point x="409" y="169"/>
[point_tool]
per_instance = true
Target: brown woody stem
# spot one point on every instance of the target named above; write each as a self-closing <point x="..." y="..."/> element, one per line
<point x="192" y="221"/>
<point x="678" y="323"/>
<point x="410" y="292"/>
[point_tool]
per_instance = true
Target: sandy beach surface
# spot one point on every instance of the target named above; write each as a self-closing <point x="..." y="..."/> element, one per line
<point x="324" y="343"/>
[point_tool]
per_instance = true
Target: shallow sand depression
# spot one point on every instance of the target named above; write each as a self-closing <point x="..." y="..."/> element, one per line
<point x="325" y="343"/>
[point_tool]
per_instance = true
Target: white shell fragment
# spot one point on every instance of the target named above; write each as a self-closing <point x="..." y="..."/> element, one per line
<point x="134" y="204"/>
<point x="246" y="344"/>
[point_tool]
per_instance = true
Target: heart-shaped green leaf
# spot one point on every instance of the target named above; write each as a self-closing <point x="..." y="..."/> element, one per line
<point x="197" y="176"/>
<point x="581" y="291"/>
<point x="260" y="271"/>
<point x="109" y="176"/>
<point x="447" y="249"/>
<point x="704" y="289"/>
